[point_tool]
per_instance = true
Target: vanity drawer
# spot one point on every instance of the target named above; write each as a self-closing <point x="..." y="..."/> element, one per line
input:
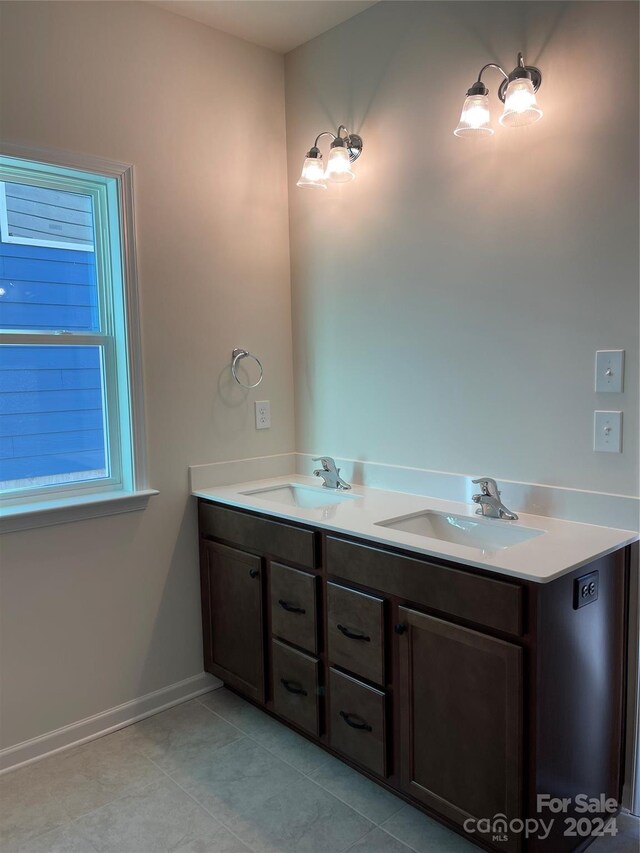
<point x="476" y="598"/>
<point x="357" y="721"/>
<point x="293" y="606"/>
<point x="293" y="544"/>
<point x="355" y="632"/>
<point x="296" y="686"/>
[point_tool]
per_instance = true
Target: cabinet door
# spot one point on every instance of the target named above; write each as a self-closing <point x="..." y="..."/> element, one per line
<point x="461" y="721"/>
<point x="232" y="617"/>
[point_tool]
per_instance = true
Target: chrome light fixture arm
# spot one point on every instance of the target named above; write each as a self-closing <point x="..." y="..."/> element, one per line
<point x="324" y="133"/>
<point x="351" y="141"/>
<point x="478" y="87"/>
<point x="520" y="71"/>
<point x="493" y="65"/>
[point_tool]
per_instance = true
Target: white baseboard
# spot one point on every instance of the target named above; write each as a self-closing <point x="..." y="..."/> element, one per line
<point x="105" y="722"/>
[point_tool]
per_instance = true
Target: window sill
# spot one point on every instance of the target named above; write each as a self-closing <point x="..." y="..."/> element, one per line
<point x="47" y="513"/>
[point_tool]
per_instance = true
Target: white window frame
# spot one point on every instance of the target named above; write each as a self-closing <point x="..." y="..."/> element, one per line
<point x="31" y="241"/>
<point x="119" y="336"/>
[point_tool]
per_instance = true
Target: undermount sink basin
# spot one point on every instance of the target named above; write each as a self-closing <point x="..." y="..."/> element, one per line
<point x="306" y="497"/>
<point x="481" y="533"/>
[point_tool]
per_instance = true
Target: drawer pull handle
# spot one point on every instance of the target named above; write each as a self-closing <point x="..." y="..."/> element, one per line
<point x="351" y="635"/>
<point x="399" y="628"/>
<point x="293" y="687"/>
<point x="253" y="573"/>
<point x="351" y="720"/>
<point x="290" y="608"/>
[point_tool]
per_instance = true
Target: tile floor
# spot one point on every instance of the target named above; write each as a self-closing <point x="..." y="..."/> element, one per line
<point x="215" y="775"/>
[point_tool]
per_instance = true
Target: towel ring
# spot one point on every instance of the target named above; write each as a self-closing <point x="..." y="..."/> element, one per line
<point x="237" y="355"/>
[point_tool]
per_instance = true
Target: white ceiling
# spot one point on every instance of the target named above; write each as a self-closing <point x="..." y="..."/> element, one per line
<point x="277" y="24"/>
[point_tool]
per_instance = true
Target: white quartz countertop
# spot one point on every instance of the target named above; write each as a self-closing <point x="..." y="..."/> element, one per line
<point x="561" y="547"/>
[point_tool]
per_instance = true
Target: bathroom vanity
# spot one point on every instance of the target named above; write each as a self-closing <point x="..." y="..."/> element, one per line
<point x="465" y="689"/>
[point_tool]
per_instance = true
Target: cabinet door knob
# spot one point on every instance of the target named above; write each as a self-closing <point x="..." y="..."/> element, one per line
<point x="253" y="573"/>
<point x="354" y="721"/>
<point x="400" y="628"/>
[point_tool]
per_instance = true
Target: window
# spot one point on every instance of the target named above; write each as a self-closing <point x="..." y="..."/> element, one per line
<point x="70" y="407"/>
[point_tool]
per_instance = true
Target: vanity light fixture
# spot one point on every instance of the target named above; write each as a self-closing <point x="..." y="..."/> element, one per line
<point x="517" y="92"/>
<point x="345" y="148"/>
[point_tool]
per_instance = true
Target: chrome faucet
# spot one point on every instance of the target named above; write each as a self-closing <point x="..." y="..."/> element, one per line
<point x="330" y="474"/>
<point x="489" y="499"/>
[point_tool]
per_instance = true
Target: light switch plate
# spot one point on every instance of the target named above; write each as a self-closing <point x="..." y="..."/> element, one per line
<point x="263" y="414"/>
<point x="607" y="432"/>
<point x="609" y="371"/>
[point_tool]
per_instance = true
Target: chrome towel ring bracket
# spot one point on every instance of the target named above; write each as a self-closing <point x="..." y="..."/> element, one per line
<point x="237" y="355"/>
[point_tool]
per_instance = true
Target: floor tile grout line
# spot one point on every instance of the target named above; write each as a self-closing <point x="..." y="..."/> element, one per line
<point x="63" y="826"/>
<point x="352" y="807"/>
<point x="256" y="741"/>
<point x="82" y="816"/>
<point x="71" y="821"/>
<point x="293" y="767"/>
<point x="406" y="843"/>
<point x="224" y="719"/>
<point x="401" y="840"/>
<point x="136" y="791"/>
<point x="202" y="806"/>
<point x="307" y="775"/>
<point x="358" y="840"/>
<point x="375" y="829"/>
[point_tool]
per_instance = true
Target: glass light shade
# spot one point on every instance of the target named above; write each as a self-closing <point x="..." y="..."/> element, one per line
<point x="312" y="174"/>
<point x="475" y="117"/>
<point x="339" y="166"/>
<point x="520" y="105"/>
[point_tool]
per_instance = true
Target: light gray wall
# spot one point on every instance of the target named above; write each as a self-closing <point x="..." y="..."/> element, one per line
<point x="100" y="612"/>
<point x="448" y="303"/>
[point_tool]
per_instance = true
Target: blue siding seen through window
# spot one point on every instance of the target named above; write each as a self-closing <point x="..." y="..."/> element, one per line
<point x="51" y="397"/>
<point x="51" y="418"/>
<point x="47" y="289"/>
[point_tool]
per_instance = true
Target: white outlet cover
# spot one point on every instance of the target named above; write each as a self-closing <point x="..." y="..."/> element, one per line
<point x="263" y="414"/>
<point x="609" y="371"/>
<point x="607" y="432"/>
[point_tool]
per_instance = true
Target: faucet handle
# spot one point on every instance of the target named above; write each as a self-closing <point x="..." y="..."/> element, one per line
<point x="488" y="486"/>
<point x="327" y="462"/>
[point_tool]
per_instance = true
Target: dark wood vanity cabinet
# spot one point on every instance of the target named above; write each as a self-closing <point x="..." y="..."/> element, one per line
<point x="461" y="718"/>
<point x="465" y="692"/>
<point x="232" y="605"/>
